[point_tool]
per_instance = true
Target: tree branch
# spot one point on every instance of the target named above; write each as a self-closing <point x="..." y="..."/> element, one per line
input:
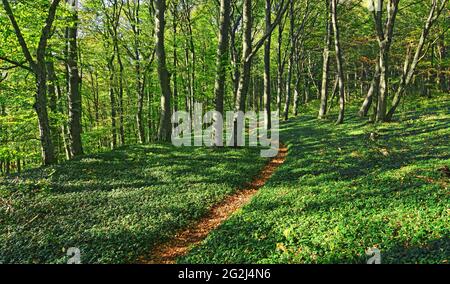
<point x="46" y="30"/>
<point x="19" y="35"/>
<point x="15" y="64"/>
<point x="260" y="43"/>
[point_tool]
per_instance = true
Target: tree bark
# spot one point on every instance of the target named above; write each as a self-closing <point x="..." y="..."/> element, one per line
<point x="38" y="67"/>
<point x="290" y="62"/>
<point x="384" y="36"/>
<point x="340" y="70"/>
<point x="222" y="55"/>
<point x="74" y="96"/>
<point x="410" y="66"/>
<point x="246" y="51"/>
<point x="374" y="85"/>
<point x="112" y="99"/>
<point x="165" y="129"/>
<point x="325" y="66"/>
<point x="267" y="87"/>
<point x="221" y="64"/>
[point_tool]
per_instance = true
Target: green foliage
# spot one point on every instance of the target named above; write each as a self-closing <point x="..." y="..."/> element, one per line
<point x="340" y="193"/>
<point x="115" y="206"/>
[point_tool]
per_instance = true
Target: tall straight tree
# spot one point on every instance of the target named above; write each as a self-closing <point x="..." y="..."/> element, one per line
<point x="74" y="96"/>
<point x="221" y="63"/>
<point x="244" y="80"/>
<point x="38" y="68"/>
<point x="326" y="64"/>
<point x="267" y="87"/>
<point x="165" y="129"/>
<point x="222" y="54"/>
<point x="133" y="15"/>
<point x="287" y="102"/>
<point x="384" y="36"/>
<point x="339" y="63"/>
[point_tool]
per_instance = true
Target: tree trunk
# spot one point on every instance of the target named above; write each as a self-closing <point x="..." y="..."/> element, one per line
<point x="290" y="63"/>
<point x="74" y="96"/>
<point x="133" y="15"/>
<point x="38" y="67"/>
<point x="372" y="90"/>
<point x="221" y="64"/>
<point x="267" y="89"/>
<point x="410" y="68"/>
<point x="384" y="41"/>
<point x="120" y="97"/>
<point x="112" y="98"/>
<point x="222" y="55"/>
<point x="340" y="70"/>
<point x="164" y="132"/>
<point x="325" y="66"/>
<point x="280" y="71"/>
<point x="53" y="105"/>
<point x="244" y="80"/>
<point x="40" y="105"/>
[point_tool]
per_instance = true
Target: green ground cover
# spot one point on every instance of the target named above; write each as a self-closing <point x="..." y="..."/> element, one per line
<point x="339" y="193"/>
<point x="115" y="206"/>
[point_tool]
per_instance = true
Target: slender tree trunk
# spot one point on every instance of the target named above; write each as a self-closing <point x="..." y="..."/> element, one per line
<point x="245" y="67"/>
<point x="175" y="57"/>
<point x="120" y="97"/>
<point x="442" y="53"/>
<point x="246" y="62"/>
<point x="133" y="15"/>
<point x="340" y="70"/>
<point x="290" y="63"/>
<point x="370" y="93"/>
<point x="40" y="106"/>
<point x="53" y="105"/>
<point x="325" y="66"/>
<point x="267" y="89"/>
<point x="112" y="98"/>
<point x="297" y="89"/>
<point x="221" y="64"/>
<point x="222" y="55"/>
<point x="280" y="70"/>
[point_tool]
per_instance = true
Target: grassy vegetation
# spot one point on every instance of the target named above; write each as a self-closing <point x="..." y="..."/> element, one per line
<point x="115" y="206"/>
<point x="339" y="193"/>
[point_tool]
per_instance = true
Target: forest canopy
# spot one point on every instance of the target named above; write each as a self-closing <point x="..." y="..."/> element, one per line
<point x="90" y="75"/>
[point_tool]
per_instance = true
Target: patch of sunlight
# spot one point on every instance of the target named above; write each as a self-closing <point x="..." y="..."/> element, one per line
<point x="401" y="172"/>
<point x="91" y="160"/>
<point x="356" y="132"/>
<point x="435" y="117"/>
<point x="355" y="154"/>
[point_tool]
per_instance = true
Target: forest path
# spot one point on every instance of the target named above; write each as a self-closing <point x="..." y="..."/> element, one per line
<point x="183" y="241"/>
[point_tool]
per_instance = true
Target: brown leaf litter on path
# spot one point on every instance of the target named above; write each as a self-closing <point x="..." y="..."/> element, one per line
<point x="180" y="245"/>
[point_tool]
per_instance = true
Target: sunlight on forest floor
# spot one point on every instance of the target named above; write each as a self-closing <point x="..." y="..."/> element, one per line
<point x="337" y="194"/>
<point x="115" y="206"/>
<point x="340" y="193"/>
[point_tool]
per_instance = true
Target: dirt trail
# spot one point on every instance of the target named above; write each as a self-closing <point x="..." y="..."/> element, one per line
<point x="168" y="252"/>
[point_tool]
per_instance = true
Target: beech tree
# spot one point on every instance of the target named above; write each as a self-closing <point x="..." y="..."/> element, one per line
<point x="38" y="67"/>
<point x="109" y="73"/>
